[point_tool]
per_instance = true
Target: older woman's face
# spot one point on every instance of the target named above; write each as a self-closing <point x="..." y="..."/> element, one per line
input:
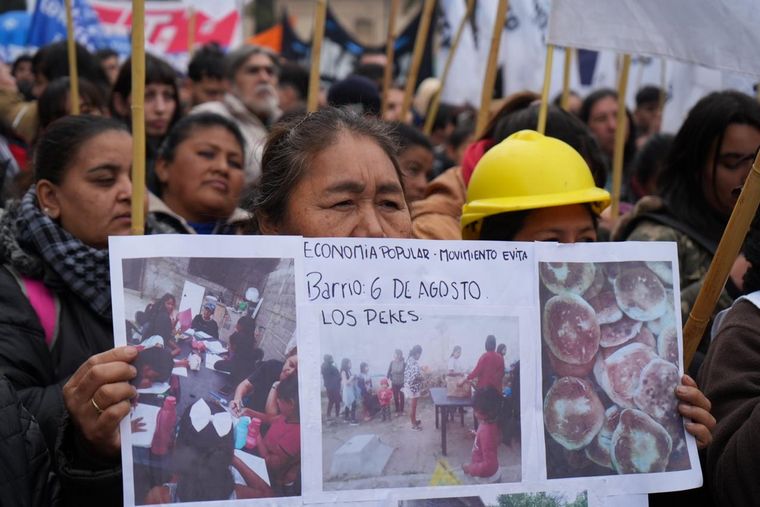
<point x="204" y="181"/>
<point x="93" y="200"/>
<point x="351" y="189"/>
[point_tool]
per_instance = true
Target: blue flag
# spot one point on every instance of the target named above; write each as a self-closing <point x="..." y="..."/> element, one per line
<point x="13" y="28"/>
<point x="49" y="25"/>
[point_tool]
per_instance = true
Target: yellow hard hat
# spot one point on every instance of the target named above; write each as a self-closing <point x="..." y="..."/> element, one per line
<point x="527" y="171"/>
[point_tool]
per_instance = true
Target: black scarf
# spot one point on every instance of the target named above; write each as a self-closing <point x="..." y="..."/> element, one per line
<point x="83" y="269"/>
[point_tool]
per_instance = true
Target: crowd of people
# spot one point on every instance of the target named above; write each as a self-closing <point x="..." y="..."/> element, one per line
<point x="232" y="151"/>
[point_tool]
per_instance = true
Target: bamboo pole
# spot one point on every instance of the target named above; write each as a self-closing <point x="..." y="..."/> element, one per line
<point x="490" y="78"/>
<point x="320" y="13"/>
<point x="390" y="51"/>
<point x="192" y="21"/>
<point x="720" y="267"/>
<point x="436" y="101"/>
<point x="620" y="132"/>
<point x="544" y="109"/>
<point x="138" y="117"/>
<point x="566" y="78"/>
<point x="71" y="47"/>
<point x="663" y="85"/>
<point x="419" y="48"/>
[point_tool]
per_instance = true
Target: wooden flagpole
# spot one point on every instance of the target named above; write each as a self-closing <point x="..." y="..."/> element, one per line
<point x="138" y="116"/>
<point x="436" y="101"/>
<point x="543" y="111"/>
<point x="663" y="85"/>
<point x="720" y="267"/>
<point x="620" y="132"/>
<point x="566" y="78"/>
<point x="390" y="51"/>
<point x="490" y="78"/>
<point x="320" y="14"/>
<point x="419" y="48"/>
<point x="72" y="51"/>
<point x="192" y="20"/>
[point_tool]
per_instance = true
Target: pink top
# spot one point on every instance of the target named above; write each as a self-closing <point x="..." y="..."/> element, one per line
<point x="489" y="371"/>
<point x="42" y="300"/>
<point x="485" y="460"/>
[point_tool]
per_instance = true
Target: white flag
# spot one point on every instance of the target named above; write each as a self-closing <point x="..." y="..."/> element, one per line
<point x="721" y="34"/>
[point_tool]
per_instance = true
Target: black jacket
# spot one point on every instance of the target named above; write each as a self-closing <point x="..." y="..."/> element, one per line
<point x="25" y="473"/>
<point x="36" y="372"/>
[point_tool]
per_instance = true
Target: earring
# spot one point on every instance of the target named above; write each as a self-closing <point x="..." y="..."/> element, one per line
<point x="46" y="211"/>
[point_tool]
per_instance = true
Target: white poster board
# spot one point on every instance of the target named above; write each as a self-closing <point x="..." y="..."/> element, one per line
<point x="582" y="325"/>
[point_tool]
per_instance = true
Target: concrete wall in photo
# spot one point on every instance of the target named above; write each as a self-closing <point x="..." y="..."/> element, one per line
<point x="277" y="315"/>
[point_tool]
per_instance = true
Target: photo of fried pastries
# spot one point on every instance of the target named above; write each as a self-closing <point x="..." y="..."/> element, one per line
<point x="610" y="366"/>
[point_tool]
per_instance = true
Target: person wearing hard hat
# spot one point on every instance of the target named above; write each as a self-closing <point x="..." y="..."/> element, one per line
<point x="531" y="187"/>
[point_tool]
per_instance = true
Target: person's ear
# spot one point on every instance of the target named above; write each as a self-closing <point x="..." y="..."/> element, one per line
<point x="121" y="105"/>
<point x="162" y="170"/>
<point x="267" y="226"/>
<point x="47" y="196"/>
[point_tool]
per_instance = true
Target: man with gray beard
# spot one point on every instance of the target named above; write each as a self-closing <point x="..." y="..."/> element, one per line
<point x="252" y="101"/>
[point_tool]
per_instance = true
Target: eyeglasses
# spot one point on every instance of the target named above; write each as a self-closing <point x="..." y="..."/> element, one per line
<point x="271" y="70"/>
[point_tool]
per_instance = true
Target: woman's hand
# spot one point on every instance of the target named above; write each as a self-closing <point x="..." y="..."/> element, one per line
<point x="695" y="406"/>
<point x="98" y="397"/>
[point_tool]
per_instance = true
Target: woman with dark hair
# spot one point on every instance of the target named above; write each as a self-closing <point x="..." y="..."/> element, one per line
<point x="204" y="465"/>
<point x="331" y="173"/>
<point x="708" y="162"/>
<point x="415" y="156"/>
<point x="55" y="101"/>
<point x="55" y="303"/>
<point x="199" y="178"/>
<point x="161" y="103"/>
<point x="48" y="64"/>
<point x="729" y="378"/>
<point x="160" y="321"/>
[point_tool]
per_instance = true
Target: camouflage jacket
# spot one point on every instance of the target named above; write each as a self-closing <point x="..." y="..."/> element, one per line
<point x="693" y="257"/>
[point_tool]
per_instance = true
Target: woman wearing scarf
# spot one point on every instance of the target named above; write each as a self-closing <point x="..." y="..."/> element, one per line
<point x="55" y="304"/>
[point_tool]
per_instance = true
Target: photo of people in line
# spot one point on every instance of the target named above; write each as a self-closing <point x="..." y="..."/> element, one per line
<point x="430" y="403"/>
<point x="217" y="414"/>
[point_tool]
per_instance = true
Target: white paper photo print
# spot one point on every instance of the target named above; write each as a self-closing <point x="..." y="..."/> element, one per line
<point x="217" y="417"/>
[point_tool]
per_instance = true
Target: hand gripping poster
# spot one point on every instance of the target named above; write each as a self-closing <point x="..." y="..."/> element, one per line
<point x="298" y="371"/>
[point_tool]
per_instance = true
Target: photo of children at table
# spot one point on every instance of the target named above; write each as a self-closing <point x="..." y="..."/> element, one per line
<point x="457" y="429"/>
<point x="219" y="418"/>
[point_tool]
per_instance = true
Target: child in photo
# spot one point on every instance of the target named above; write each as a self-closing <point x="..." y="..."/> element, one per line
<point x="484" y="462"/>
<point x="384" y="396"/>
<point x="281" y="445"/>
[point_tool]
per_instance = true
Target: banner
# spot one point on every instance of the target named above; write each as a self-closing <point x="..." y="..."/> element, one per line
<point x="523" y="51"/>
<point x="166" y="26"/>
<point x="341" y="51"/>
<point x="399" y="369"/>
<point x="727" y="28"/>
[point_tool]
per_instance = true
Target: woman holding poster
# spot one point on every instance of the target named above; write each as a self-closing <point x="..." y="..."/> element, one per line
<point x="56" y="306"/>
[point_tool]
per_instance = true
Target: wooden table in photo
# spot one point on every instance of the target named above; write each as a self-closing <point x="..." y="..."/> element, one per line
<point x="443" y="404"/>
